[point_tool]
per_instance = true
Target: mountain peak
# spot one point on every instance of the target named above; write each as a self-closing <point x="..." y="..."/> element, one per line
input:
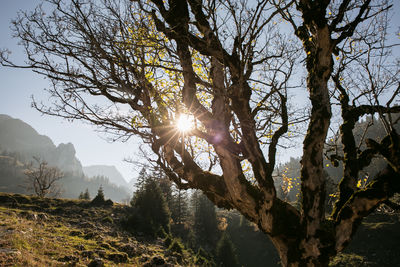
<point x="18" y="136"/>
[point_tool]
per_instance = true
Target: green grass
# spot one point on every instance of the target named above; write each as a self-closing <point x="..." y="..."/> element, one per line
<point x="378" y="225"/>
<point x="56" y="232"/>
<point x="347" y="260"/>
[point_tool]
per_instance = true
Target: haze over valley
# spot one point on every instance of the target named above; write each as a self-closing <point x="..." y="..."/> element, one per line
<point x="20" y="143"/>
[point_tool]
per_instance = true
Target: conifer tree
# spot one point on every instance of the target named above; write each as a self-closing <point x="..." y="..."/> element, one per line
<point x="141" y="180"/>
<point x="166" y="188"/>
<point x="205" y="222"/>
<point x="99" y="199"/>
<point x="150" y="209"/>
<point x="86" y="195"/>
<point x="180" y="208"/>
<point x="226" y="255"/>
<point x="100" y="193"/>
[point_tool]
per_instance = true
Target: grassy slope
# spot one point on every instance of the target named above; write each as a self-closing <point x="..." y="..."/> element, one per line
<point x="60" y="232"/>
<point x="55" y="232"/>
<point x="376" y="243"/>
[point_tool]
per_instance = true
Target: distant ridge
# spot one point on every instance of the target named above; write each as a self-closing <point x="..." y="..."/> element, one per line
<point x="20" y="142"/>
<point x="18" y="136"/>
<point x="109" y="171"/>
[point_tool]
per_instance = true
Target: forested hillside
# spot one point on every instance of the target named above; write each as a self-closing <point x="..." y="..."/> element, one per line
<point x="287" y="175"/>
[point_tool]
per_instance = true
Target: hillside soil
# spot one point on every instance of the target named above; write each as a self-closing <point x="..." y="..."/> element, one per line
<point x="60" y="232"/>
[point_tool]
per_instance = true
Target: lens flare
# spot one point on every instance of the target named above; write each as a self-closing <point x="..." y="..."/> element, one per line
<point x="184" y="123"/>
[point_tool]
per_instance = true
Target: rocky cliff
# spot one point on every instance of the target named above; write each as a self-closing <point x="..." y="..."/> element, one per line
<point x="19" y="137"/>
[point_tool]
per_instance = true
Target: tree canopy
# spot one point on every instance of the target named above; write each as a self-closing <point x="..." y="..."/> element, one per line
<point x="212" y="86"/>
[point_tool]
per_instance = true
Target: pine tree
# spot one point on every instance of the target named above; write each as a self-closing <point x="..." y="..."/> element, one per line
<point x="141" y="180"/>
<point x="180" y="209"/>
<point x="99" y="199"/>
<point x="226" y="255"/>
<point x="100" y="193"/>
<point x="86" y="195"/>
<point x="205" y="222"/>
<point x="150" y="209"/>
<point x="166" y="187"/>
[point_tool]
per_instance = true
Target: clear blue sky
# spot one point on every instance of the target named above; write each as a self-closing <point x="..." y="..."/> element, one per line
<point x="17" y="86"/>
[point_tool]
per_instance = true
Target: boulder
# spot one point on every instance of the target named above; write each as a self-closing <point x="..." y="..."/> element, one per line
<point x="96" y="263"/>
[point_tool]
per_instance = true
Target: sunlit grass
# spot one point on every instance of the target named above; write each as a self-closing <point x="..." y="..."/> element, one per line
<point x="36" y="234"/>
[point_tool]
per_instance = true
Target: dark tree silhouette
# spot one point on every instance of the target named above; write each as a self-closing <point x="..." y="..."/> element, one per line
<point x="42" y="179"/>
<point x="85" y="195"/>
<point x="150" y="209"/>
<point x="225" y="252"/>
<point x="205" y="222"/>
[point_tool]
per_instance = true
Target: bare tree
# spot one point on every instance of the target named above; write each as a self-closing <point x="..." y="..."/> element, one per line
<point x="212" y="86"/>
<point x="42" y="179"/>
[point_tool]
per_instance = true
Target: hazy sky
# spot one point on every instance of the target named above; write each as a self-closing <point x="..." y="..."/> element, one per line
<point x="17" y="86"/>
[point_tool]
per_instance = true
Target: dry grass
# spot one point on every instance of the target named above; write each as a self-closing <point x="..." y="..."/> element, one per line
<point x="48" y="232"/>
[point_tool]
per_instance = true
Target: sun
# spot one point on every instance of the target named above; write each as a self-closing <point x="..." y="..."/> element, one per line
<point x="184" y="123"/>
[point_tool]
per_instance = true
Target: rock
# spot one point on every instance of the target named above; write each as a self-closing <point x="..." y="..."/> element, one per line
<point x="114" y="234"/>
<point x="142" y="250"/>
<point x="29" y="215"/>
<point x="80" y="247"/>
<point x="45" y="205"/>
<point x="68" y="258"/>
<point x="118" y="257"/>
<point x="88" y="254"/>
<point x="9" y="251"/>
<point x="101" y="253"/>
<point x="75" y="233"/>
<point x="144" y="258"/>
<point x="105" y="245"/>
<point x="64" y="155"/>
<point x="90" y="235"/>
<point x="157" y="261"/>
<point x="86" y="224"/>
<point x="42" y="217"/>
<point x="126" y="239"/>
<point x="111" y="172"/>
<point x="130" y="249"/>
<point x="96" y="263"/>
<point x="59" y="210"/>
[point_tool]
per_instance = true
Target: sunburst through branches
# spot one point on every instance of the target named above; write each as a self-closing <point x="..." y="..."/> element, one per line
<point x="184" y="123"/>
